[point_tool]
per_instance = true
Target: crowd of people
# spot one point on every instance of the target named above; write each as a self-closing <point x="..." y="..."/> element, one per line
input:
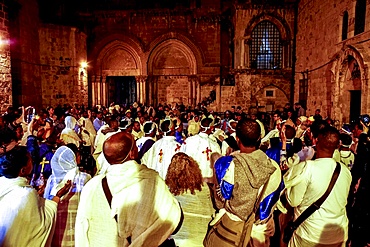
<point x="122" y="176"/>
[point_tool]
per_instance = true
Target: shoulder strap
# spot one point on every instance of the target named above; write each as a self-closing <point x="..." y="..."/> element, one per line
<point x="316" y="205"/>
<point x="107" y="193"/>
<point x="106" y="190"/>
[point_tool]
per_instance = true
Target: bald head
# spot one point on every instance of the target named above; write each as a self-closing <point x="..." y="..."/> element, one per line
<point x="119" y="147"/>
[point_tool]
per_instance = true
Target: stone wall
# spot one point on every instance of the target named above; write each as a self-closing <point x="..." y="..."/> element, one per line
<point x="5" y="76"/>
<point x="24" y="23"/>
<point x="62" y="50"/>
<point x="322" y="52"/>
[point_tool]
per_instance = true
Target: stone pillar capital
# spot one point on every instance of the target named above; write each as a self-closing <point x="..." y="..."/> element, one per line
<point x="141" y="78"/>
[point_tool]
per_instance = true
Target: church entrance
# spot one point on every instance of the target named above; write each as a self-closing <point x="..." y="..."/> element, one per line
<point x="355" y="105"/>
<point x="122" y="89"/>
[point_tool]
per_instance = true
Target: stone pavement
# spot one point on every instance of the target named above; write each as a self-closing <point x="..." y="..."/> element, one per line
<point x="197" y="214"/>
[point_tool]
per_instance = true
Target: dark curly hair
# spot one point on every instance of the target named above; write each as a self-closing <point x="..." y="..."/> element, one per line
<point x="183" y="174"/>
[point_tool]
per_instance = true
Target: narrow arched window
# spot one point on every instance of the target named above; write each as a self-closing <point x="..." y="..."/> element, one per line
<point x="266" y="49"/>
<point x="345" y="25"/>
<point x="360" y="16"/>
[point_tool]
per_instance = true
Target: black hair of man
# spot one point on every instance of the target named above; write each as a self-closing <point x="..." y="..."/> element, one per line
<point x="248" y="131"/>
<point x="117" y="147"/>
<point x="317" y="126"/>
<point x="345" y="139"/>
<point x="165" y="127"/>
<point x="328" y="139"/>
<point x="148" y="127"/>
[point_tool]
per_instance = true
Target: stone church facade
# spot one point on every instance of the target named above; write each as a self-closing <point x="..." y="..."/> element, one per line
<point x="255" y="54"/>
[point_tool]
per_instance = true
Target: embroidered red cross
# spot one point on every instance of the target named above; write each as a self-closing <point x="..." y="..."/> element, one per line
<point x="160" y="156"/>
<point x="207" y="151"/>
<point x="177" y="147"/>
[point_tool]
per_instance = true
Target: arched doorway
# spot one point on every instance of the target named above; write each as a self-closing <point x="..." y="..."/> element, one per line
<point x="349" y="88"/>
<point x="114" y="77"/>
<point x="171" y="67"/>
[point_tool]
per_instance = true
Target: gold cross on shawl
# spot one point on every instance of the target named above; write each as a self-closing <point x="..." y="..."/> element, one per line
<point x="177" y="147"/>
<point x="43" y="163"/>
<point x="160" y="156"/>
<point x="207" y="151"/>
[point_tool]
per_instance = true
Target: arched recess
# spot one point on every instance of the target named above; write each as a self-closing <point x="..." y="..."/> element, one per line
<point x="285" y="35"/>
<point x="271" y="97"/>
<point x="181" y="38"/>
<point x="172" y="67"/>
<point x="350" y="73"/>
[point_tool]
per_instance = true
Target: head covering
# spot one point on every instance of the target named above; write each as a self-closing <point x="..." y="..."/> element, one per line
<point x="170" y="126"/>
<point x="70" y="122"/>
<point x="311" y="119"/>
<point x="64" y="167"/>
<point x="148" y="127"/>
<point x="229" y="124"/>
<point x="127" y="111"/>
<point x="124" y="124"/>
<point x="302" y="119"/>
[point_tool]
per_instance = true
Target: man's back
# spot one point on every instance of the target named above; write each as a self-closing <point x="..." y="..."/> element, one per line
<point x="143" y="212"/>
<point x="329" y="224"/>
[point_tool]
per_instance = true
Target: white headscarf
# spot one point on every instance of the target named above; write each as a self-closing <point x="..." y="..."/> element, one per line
<point x="64" y="167"/>
<point x="70" y="122"/>
<point x="68" y="134"/>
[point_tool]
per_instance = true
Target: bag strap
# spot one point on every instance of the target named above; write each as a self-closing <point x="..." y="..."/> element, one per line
<point x="106" y="190"/>
<point x="107" y="193"/>
<point x="316" y="205"/>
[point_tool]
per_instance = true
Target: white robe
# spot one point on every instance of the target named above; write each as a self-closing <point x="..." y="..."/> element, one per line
<point x="159" y="156"/>
<point x="26" y="218"/>
<point x="200" y="147"/>
<point x="145" y="209"/>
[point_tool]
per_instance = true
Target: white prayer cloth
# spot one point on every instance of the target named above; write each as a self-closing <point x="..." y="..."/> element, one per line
<point x="159" y="156"/>
<point x="200" y="147"/>
<point x="26" y="218"/>
<point x="306" y="182"/>
<point x="140" y="142"/>
<point x="88" y="138"/>
<point x="145" y="209"/>
<point x="347" y="158"/>
<point x="64" y="168"/>
<point x="68" y="134"/>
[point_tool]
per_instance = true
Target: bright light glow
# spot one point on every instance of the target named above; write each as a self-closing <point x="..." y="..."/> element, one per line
<point x="83" y="64"/>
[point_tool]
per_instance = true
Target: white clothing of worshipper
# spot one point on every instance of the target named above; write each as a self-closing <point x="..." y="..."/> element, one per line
<point x="87" y="126"/>
<point x="68" y="134"/>
<point x="146" y="142"/>
<point x="159" y="156"/>
<point x="141" y="212"/>
<point x="200" y="147"/>
<point x="64" y="167"/>
<point x="26" y="218"/>
<point x="306" y="182"/>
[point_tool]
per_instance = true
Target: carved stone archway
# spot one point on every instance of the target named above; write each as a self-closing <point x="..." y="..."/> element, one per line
<point x="340" y="80"/>
<point x="172" y="69"/>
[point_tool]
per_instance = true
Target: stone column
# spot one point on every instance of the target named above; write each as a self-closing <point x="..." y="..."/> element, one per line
<point x="5" y="73"/>
<point x="104" y="92"/>
<point x="141" y="88"/>
<point x="193" y="81"/>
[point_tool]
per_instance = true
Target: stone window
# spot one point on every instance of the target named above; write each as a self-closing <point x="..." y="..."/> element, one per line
<point x="270" y="93"/>
<point x="303" y="92"/>
<point x="266" y="47"/>
<point x="345" y="25"/>
<point x="360" y="16"/>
